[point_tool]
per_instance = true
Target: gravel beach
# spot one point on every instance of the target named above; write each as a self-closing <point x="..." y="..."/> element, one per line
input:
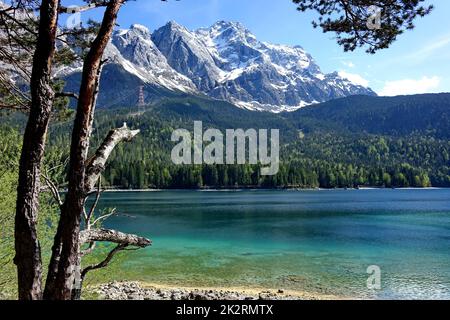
<point x="140" y="291"/>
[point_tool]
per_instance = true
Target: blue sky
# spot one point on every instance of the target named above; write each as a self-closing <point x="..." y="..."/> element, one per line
<point x="418" y="62"/>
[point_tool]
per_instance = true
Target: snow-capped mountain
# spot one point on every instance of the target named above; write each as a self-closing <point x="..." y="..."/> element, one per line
<point x="224" y="61"/>
<point x="134" y="52"/>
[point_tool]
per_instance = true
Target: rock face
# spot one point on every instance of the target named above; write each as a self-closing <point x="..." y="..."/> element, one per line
<point x="134" y="291"/>
<point x="264" y="76"/>
<point x="187" y="54"/>
<point x="225" y="61"/>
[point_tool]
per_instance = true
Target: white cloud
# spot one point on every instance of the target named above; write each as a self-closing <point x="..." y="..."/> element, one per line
<point x="355" y="78"/>
<point x="410" y="86"/>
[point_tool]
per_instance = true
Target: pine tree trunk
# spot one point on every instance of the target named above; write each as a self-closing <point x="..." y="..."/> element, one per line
<point x="65" y="254"/>
<point x="28" y="253"/>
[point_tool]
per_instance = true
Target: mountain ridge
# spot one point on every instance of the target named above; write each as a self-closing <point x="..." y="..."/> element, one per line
<point x="225" y="62"/>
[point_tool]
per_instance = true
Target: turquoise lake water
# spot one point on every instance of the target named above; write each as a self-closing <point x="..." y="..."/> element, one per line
<point x="316" y="241"/>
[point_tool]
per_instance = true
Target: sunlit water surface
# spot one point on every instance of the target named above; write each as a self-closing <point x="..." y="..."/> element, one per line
<point x="316" y="241"/>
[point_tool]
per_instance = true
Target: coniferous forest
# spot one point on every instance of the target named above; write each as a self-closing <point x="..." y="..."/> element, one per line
<point x="347" y="143"/>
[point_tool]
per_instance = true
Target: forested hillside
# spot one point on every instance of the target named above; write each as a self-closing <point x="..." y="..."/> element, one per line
<point x="427" y="114"/>
<point x="351" y="142"/>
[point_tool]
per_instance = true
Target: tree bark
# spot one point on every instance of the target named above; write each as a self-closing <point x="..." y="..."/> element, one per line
<point x="28" y="252"/>
<point x="65" y="252"/>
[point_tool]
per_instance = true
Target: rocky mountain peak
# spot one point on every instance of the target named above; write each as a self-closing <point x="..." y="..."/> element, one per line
<point x="226" y="61"/>
<point x="141" y="30"/>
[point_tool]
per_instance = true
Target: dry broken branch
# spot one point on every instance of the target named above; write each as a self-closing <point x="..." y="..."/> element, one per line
<point x="66" y="95"/>
<point x="88" y="216"/>
<point x="104" y="217"/>
<point x="53" y="189"/>
<point x="103" y="263"/>
<point x="104" y="235"/>
<point x="97" y="163"/>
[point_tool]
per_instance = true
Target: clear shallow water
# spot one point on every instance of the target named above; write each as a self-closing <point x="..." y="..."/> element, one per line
<point x="318" y="241"/>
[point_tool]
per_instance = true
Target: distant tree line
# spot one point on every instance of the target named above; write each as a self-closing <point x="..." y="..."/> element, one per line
<point x="299" y="174"/>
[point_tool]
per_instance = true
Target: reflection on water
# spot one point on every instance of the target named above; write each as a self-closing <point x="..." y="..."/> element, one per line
<point x="321" y="241"/>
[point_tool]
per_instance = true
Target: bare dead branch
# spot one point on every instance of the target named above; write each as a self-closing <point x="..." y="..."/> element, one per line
<point x="104" y="217"/>
<point x="105" y="262"/>
<point x="53" y="189"/>
<point x="94" y="205"/>
<point x="97" y="163"/>
<point x="104" y="235"/>
<point x="66" y="94"/>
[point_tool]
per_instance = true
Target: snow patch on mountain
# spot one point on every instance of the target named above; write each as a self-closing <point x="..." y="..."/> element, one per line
<point x="226" y="61"/>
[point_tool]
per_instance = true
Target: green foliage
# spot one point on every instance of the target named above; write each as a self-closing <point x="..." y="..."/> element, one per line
<point x="10" y="145"/>
<point x="348" y="19"/>
<point x="8" y="182"/>
<point x="10" y="151"/>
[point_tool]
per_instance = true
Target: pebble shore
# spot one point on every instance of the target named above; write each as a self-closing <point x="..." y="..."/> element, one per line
<point x="137" y="291"/>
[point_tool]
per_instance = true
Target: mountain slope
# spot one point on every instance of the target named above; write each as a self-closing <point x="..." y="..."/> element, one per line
<point x="402" y="115"/>
<point x="267" y="76"/>
<point x="224" y="62"/>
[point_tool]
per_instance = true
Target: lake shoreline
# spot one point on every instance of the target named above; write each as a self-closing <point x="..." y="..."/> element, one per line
<point x="135" y="290"/>
<point x="269" y="189"/>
